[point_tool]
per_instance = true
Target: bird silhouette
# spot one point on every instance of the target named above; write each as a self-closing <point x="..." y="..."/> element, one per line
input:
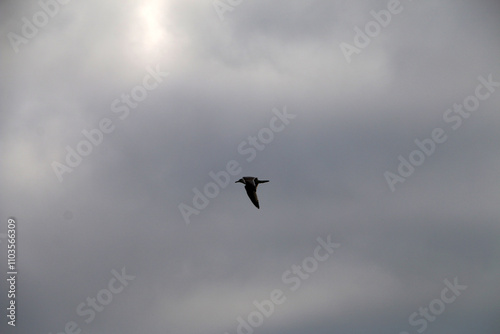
<point x="251" y="183"/>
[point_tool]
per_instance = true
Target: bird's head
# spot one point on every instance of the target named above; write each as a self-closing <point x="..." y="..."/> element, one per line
<point x="240" y="181"/>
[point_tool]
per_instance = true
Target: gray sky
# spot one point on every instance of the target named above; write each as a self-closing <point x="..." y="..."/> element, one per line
<point x="155" y="95"/>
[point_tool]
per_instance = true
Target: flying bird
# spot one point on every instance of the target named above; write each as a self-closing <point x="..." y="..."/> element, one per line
<point x="251" y="183"/>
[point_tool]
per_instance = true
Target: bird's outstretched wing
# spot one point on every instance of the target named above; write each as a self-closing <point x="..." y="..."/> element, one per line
<point x="252" y="194"/>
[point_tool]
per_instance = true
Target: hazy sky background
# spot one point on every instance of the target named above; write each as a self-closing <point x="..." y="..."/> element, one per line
<point x="119" y="207"/>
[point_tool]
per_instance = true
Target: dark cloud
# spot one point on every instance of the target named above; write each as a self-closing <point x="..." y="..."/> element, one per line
<point x="119" y="207"/>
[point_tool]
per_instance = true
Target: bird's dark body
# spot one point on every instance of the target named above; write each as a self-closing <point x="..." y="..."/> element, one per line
<point x="251" y="183"/>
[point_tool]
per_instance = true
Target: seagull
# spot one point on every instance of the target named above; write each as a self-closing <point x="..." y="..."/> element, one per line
<point x="251" y="183"/>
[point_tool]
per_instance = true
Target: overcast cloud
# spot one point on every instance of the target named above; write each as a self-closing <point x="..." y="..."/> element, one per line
<point x="115" y="113"/>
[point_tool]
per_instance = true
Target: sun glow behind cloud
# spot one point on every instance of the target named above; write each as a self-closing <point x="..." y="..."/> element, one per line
<point x="149" y="36"/>
<point x="153" y="31"/>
